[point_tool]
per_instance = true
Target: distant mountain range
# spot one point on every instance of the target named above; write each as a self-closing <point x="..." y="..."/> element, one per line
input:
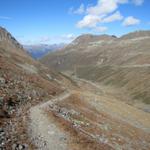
<point x="40" y="50"/>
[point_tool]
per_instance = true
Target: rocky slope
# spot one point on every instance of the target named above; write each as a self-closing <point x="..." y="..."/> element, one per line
<point x="24" y="82"/>
<point x="122" y="63"/>
<point x="89" y="118"/>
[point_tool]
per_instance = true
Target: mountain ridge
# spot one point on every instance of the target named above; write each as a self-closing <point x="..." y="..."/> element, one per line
<point x="6" y="36"/>
<point x="118" y="62"/>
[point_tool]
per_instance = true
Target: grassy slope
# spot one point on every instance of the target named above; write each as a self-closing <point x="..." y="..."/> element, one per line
<point x="125" y="63"/>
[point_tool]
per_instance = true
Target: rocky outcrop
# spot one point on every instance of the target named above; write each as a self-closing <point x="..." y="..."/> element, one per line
<point x="7" y="37"/>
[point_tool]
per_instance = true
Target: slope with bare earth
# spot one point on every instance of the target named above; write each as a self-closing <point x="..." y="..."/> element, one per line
<point x="24" y="82"/>
<point x="122" y="63"/>
<point x="81" y="119"/>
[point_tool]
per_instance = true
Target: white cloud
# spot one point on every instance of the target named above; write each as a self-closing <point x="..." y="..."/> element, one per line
<point x="138" y="2"/>
<point x="122" y="1"/>
<point x="105" y="11"/>
<point x="80" y="10"/>
<point x="68" y="37"/>
<point x="100" y="29"/>
<point x="105" y="7"/>
<point x="130" y="21"/>
<point x="89" y="21"/>
<point x="101" y="13"/>
<point x="44" y="39"/>
<point x="114" y="17"/>
<point x="5" y="18"/>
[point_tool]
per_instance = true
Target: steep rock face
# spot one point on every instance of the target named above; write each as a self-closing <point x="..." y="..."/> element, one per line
<point x="121" y="62"/>
<point x="7" y="37"/>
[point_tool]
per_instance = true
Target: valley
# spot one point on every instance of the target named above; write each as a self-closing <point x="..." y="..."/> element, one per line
<point x="121" y="63"/>
<point x="74" y="104"/>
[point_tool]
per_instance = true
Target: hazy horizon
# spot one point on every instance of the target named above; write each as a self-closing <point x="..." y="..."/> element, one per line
<point x="48" y="22"/>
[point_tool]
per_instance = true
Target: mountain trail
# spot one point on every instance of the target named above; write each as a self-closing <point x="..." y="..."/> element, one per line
<point x="43" y="131"/>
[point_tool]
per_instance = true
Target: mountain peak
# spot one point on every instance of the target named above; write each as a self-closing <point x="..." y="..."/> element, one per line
<point x="7" y="37"/>
<point x="85" y="38"/>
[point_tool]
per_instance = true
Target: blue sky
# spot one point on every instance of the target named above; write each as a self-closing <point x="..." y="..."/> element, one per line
<point x="55" y="21"/>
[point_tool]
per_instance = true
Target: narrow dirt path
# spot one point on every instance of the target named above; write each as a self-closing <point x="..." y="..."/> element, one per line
<point x="43" y="131"/>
